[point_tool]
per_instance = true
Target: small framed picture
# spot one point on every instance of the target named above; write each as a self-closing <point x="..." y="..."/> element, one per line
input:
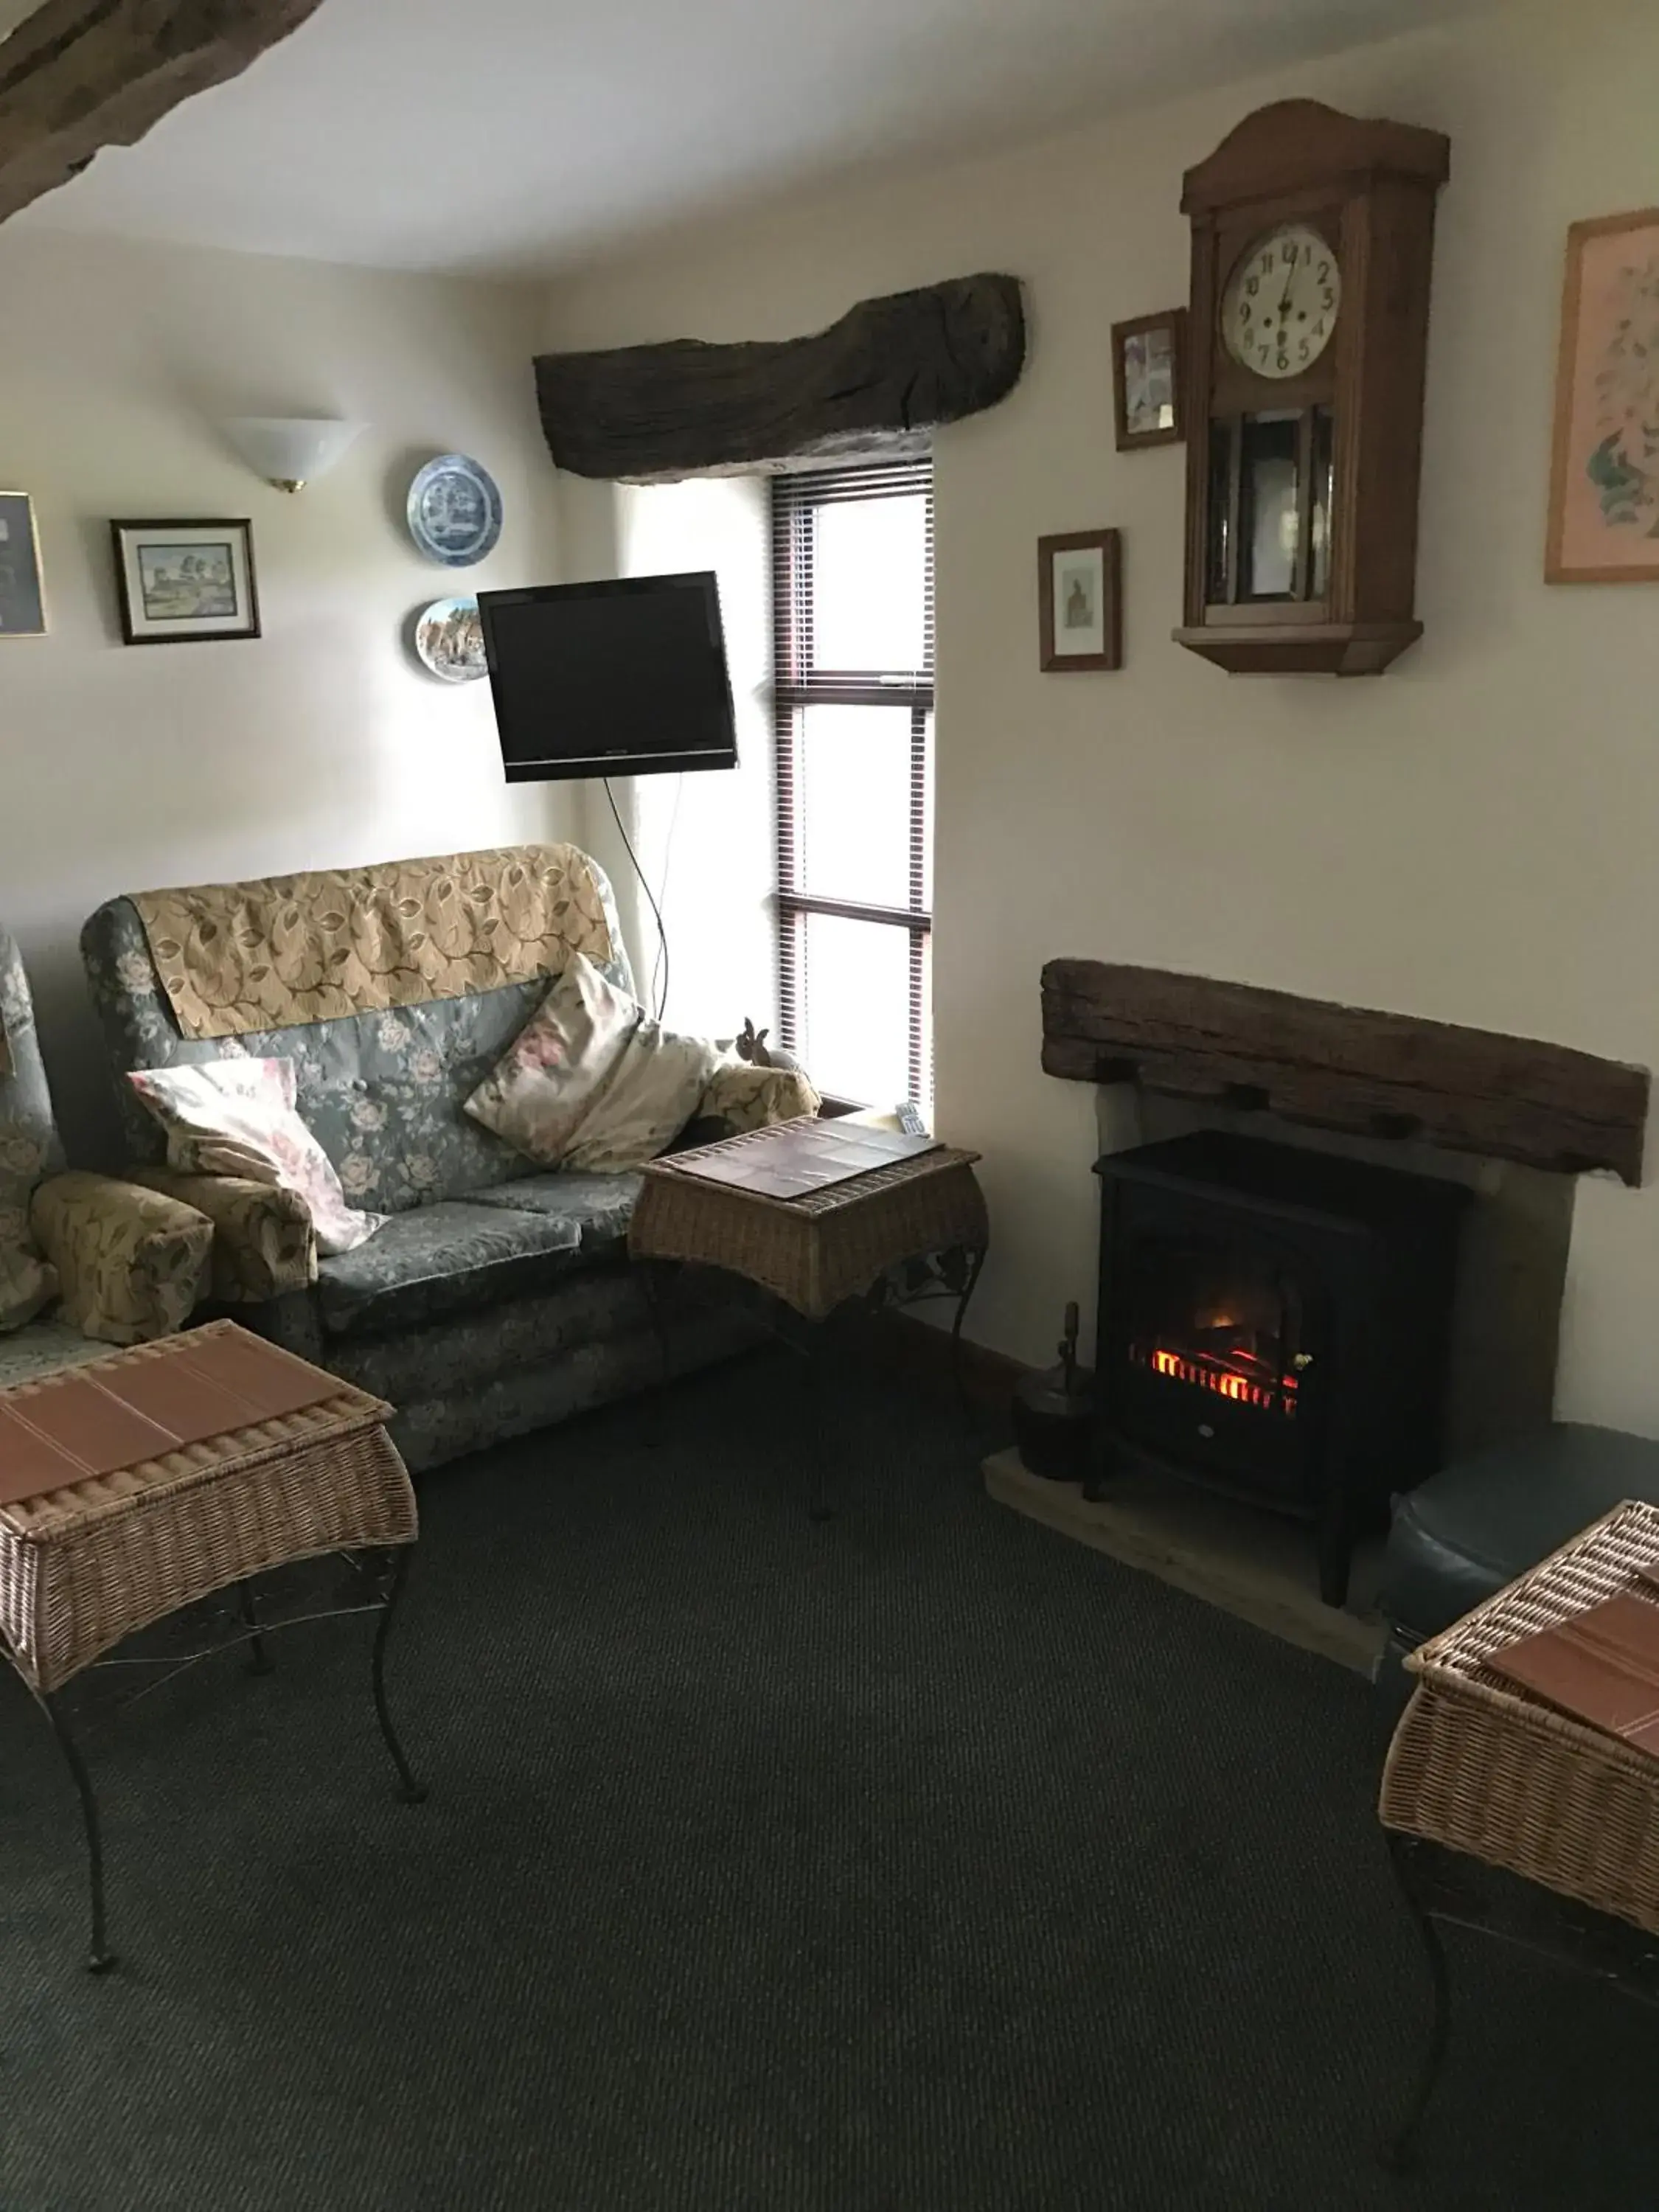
<point x="1148" y="363"/>
<point x="184" y="582"/>
<point x="1080" y="596"/>
<point x="23" y="600"/>
<point x="1604" y="475"/>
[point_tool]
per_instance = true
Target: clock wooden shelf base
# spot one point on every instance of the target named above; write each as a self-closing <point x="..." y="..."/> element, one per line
<point x="1303" y="649"/>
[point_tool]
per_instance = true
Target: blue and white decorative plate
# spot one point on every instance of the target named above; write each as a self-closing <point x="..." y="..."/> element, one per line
<point x="449" y="639"/>
<point x="454" y="511"/>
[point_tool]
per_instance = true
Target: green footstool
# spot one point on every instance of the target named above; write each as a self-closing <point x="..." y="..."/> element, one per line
<point x="1468" y="1531"/>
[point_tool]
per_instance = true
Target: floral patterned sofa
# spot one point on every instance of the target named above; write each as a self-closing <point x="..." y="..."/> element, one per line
<point x="85" y="1261"/>
<point x="497" y="1297"/>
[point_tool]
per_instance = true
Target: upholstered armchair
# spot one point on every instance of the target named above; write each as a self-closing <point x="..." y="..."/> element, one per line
<point x="85" y="1261"/>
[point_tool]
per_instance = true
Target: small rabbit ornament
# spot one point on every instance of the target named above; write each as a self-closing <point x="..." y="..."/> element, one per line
<point x="753" y="1047"/>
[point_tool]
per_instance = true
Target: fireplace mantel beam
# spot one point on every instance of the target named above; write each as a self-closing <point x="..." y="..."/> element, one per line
<point x="1349" y="1068"/>
<point x="78" y="76"/>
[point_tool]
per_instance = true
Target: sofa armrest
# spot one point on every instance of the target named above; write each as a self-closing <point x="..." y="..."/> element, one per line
<point x="132" y="1263"/>
<point x="262" y="1241"/>
<point x="743" y="1097"/>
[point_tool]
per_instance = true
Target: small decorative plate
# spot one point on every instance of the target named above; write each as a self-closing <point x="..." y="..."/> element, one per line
<point x="449" y="638"/>
<point x="454" y="511"/>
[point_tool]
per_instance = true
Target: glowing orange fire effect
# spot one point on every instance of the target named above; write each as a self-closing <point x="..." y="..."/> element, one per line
<point x="1225" y="1380"/>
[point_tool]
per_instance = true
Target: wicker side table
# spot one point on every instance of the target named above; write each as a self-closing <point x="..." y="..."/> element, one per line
<point x="816" y="1253"/>
<point x="86" y="1562"/>
<point x="1482" y="1776"/>
<point x="897" y="1236"/>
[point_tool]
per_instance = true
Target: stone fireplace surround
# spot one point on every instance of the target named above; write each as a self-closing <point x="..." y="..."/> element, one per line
<point x="1514" y="1119"/>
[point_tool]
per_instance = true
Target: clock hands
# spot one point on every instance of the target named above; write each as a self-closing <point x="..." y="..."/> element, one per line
<point x="1290" y="287"/>
<point x="1280" y="303"/>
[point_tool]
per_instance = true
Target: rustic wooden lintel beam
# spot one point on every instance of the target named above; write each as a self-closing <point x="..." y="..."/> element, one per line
<point x="1344" y="1067"/>
<point x="891" y="370"/>
<point x="78" y="76"/>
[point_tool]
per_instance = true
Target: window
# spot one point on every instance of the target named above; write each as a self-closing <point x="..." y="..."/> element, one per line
<point x="852" y="599"/>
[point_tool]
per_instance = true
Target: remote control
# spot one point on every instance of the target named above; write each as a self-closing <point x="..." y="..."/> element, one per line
<point x="910" y="1121"/>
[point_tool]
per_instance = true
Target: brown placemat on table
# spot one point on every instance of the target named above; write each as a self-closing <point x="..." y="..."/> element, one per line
<point x="1601" y="1665"/>
<point x="121" y="1413"/>
<point x="793" y="1159"/>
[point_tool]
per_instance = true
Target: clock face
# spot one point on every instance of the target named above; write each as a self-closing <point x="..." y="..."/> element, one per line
<point x="1280" y="309"/>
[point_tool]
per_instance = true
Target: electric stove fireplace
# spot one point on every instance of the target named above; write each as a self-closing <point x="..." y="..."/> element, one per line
<point x="1274" y="1323"/>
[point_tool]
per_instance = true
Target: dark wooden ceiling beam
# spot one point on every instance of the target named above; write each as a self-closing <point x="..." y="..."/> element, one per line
<point x="891" y="370"/>
<point x="78" y="76"/>
<point x="1347" y="1068"/>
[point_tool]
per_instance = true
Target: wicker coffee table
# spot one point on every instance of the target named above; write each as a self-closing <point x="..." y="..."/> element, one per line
<point x="1507" y="1815"/>
<point x="133" y="1485"/>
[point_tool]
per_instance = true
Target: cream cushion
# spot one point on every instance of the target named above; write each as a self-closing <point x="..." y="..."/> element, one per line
<point x="236" y="1117"/>
<point x="591" y="1082"/>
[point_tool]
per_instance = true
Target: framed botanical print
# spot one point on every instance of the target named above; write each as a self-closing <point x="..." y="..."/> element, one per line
<point x="1604" y="477"/>
<point x="1079" y="599"/>
<point x="1148" y="363"/>
<point x="184" y="582"/>
<point x="22" y="598"/>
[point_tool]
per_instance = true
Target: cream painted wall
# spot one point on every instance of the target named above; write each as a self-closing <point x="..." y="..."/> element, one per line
<point x="1472" y="837"/>
<point x="323" y="743"/>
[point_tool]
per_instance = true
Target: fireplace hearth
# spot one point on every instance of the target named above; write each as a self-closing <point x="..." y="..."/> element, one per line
<point x="1275" y="1323"/>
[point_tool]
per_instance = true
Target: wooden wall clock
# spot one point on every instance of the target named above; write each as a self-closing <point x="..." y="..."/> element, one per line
<point x="1313" y="236"/>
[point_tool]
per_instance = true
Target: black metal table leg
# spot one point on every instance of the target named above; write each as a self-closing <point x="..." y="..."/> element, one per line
<point x="259" y="1659"/>
<point x="976" y="1266"/>
<point x="1334" y="1543"/>
<point x="652" y="1287"/>
<point x="412" y="1791"/>
<point x="1400" y="2152"/>
<point x="815" y="1349"/>
<point x="654" y="1290"/>
<point x="808" y="1341"/>
<point x="99" y="1957"/>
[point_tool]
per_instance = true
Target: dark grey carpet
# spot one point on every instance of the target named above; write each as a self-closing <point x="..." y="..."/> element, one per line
<point x="920" y="1860"/>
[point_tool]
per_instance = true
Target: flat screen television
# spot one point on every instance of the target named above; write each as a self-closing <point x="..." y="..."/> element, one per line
<point x="626" y="677"/>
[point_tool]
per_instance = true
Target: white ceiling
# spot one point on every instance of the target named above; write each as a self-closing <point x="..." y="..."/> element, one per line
<point x="516" y="135"/>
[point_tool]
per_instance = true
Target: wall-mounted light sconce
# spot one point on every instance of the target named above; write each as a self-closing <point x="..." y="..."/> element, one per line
<point x="289" y="451"/>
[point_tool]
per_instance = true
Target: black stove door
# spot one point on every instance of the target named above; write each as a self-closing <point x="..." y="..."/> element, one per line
<point x="1210" y="1347"/>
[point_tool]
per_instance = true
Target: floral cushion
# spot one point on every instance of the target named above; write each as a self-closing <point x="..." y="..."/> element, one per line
<point x="601" y="1206"/>
<point x="591" y="1082"/>
<point x="446" y="1259"/>
<point x="652" y="1093"/>
<point x="540" y="1090"/>
<point x="236" y="1117"/>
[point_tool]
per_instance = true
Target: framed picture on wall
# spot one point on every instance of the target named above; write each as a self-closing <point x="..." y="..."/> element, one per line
<point x="22" y="600"/>
<point x="1604" y="476"/>
<point x="1148" y="363"/>
<point x="185" y="582"/>
<point x="1080" y="600"/>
